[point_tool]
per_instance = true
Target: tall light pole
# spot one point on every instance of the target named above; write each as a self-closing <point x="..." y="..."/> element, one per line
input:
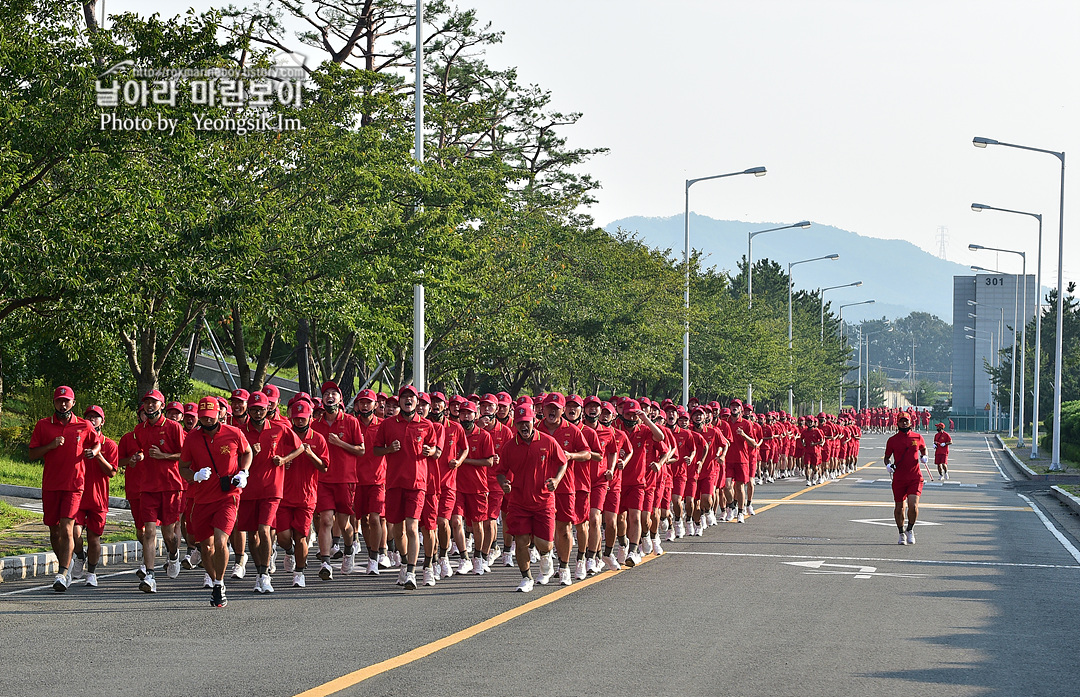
<point x="979" y="207"/>
<point x="757" y="172"/>
<point x="791" y="358"/>
<point x="419" y="343"/>
<point x="841" y="332"/>
<point x="1055" y="455"/>
<point x="990" y="334"/>
<point x="1012" y="378"/>
<point x="868" y="335"/>
<point x="821" y="292"/>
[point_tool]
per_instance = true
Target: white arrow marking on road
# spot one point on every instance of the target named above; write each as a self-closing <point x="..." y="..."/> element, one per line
<point x="889" y="522"/>
<point x="862" y="572"/>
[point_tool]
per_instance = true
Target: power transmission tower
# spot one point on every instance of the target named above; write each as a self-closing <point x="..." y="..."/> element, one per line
<point x="942" y="240"/>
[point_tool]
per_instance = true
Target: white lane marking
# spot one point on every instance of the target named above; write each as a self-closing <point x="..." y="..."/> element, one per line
<point x="889" y="522"/>
<point x="932" y="562"/>
<point x="861" y="572"/>
<point x="49" y="587"/>
<point x="993" y="456"/>
<point x="1053" y="529"/>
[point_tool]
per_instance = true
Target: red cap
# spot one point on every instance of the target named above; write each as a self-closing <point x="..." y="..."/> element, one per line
<point x="299" y="397"/>
<point x="392" y="399"/>
<point x="423" y="397"/>
<point x="524" y="412"/>
<point x="209" y="406"/>
<point x="725" y="412"/>
<point x="555" y="398"/>
<point x="172" y="405"/>
<point x="329" y="385"/>
<point x="317" y="403"/>
<point x="489" y="398"/>
<point x="408" y="388"/>
<point x="735" y="403"/>
<point x="630" y="406"/>
<point x="575" y="399"/>
<point x="191" y="408"/>
<point x="258" y="399"/>
<point x="300" y="409"/>
<point x="240" y="394"/>
<point x="272" y="393"/>
<point x="224" y="404"/>
<point x="368" y="395"/>
<point x="938" y="425"/>
<point x="152" y="394"/>
<point x="593" y="399"/>
<point x="505" y="398"/>
<point x="469" y="406"/>
<point x="95" y="409"/>
<point x="607" y="406"/>
<point x="65" y="391"/>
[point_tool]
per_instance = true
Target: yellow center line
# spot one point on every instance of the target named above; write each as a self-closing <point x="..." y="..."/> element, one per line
<point x="416" y="654"/>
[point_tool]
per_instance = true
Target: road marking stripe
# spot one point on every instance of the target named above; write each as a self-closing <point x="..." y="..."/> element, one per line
<point x="889" y="504"/>
<point x="993" y="456"/>
<point x="1053" y="529"/>
<point x="49" y="587"/>
<point x="880" y="559"/>
<point x="416" y="654"/>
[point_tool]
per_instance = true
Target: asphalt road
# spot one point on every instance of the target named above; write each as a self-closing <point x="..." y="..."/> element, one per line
<point x="812" y="596"/>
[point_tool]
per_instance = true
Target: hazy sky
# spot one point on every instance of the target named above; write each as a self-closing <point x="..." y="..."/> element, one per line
<point x="863" y="111"/>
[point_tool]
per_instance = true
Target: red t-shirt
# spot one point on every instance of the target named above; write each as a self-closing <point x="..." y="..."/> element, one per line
<point x="301" y="485"/>
<point x="64" y="466"/>
<point x="342" y="468"/>
<point x="96" y="493"/>
<point x="528" y="464"/>
<point x="472" y="479"/>
<point x="265" y="479"/>
<point x="569" y="438"/>
<point x="127" y="447"/>
<point x="453" y="444"/>
<point x="609" y="445"/>
<point x="904" y="448"/>
<point x="685" y="447"/>
<point x="370" y="468"/>
<point x="407" y="468"/>
<point x="221" y="453"/>
<point x="500" y="433"/>
<point x="739" y="452"/>
<point x="642" y="446"/>
<point x="941" y="442"/>
<point x="160" y="475"/>
<point x="583" y="470"/>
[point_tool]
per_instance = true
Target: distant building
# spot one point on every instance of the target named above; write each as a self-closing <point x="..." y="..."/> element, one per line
<point x="997" y="297"/>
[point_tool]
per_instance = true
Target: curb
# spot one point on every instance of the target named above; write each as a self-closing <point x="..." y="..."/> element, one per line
<point x="45" y="563"/>
<point x="1066" y="498"/>
<point x="30" y="492"/>
<point x="1024" y="469"/>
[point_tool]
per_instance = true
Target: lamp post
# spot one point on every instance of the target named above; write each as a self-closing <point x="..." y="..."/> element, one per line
<point x="821" y="292"/>
<point x="791" y="358"/>
<point x="1012" y="378"/>
<point x="864" y="302"/>
<point x="990" y="334"/>
<point x="757" y="172"/>
<point x="868" y="335"/>
<point x="750" y="277"/>
<point x="1055" y="456"/>
<point x="979" y="207"/>
<point x="419" y="341"/>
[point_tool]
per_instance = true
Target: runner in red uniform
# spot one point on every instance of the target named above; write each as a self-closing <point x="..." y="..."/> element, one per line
<point x="907" y="450"/>
<point x="337" y="485"/>
<point x="94" y="504"/>
<point x="300" y="491"/>
<point x="472" y="483"/>
<point x="942" y="440"/>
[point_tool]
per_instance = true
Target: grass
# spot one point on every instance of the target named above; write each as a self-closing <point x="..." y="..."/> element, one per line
<point x="12" y="471"/>
<point x="1042" y="465"/>
<point x="1071" y="488"/>
<point x="21" y="532"/>
<point x="10" y="516"/>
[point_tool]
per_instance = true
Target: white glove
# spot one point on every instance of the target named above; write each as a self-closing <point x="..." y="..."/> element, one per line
<point x="239" y="480"/>
<point x="890" y="468"/>
<point x="202" y="475"/>
<point x="922" y="459"/>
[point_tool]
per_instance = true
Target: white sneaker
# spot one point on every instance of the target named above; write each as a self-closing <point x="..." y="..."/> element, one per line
<point x="464" y="566"/>
<point x="590" y="566"/>
<point x="680" y="530"/>
<point x="910" y="537"/>
<point x="580" y="572"/>
<point x="478" y="566"/>
<point x="620" y="556"/>
<point x="395" y="558"/>
<point x="691" y="529"/>
<point x="711" y="518"/>
<point x="147" y="585"/>
<point x="238" y="569"/>
<point x="335" y="552"/>
<point x="373" y="567"/>
<point x="490" y="559"/>
<point x="701" y="528"/>
<point x="670" y="535"/>
<point x="410" y="581"/>
<point x="564" y="576"/>
<point x="741" y="518"/>
<point x="91" y="580"/>
<point x="298" y="580"/>
<point x="664" y="525"/>
<point x="547" y="569"/>
<point x="172" y="569"/>
<point x="290" y="563"/>
<point x="196" y="558"/>
<point x="612" y="563"/>
<point x="487" y="566"/>
<point x="272" y="569"/>
<point x="429" y="577"/>
<point x="808" y="482"/>
<point x="401" y="576"/>
<point x="445" y="568"/>
<point x="750" y="509"/>
<point x="77" y="566"/>
<point x="534" y="556"/>
<point x="258" y="584"/>
<point x="646" y="545"/>
<point x="453" y="548"/>
<point x="656" y="548"/>
<point x="633" y="559"/>
<point x="902" y="540"/>
<point x="207" y="582"/>
<point x="267" y="586"/>
<point x="326" y="573"/>
<point x="384" y="562"/>
<point x="508" y="559"/>
<point x="61" y="583"/>
<point x="348" y="563"/>
<point x="185" y="563"/>
<point x="525" y="586"/>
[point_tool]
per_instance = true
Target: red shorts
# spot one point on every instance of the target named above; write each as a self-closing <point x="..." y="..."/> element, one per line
<point x="901" y="489"/>
<point x="59" y="505"/>
<point x="581" y="506"/>
<point x="447" y="503"/>
<point x="255" y="512"/>
<point x="206" y="517"/>
<point x="297" y="518"/>
<point x="705" y="488"/>
<point x="753" y="470"/>
<point x="474" y="507"/>
<point x="496" y="502"/>
<point x="612" y="500"/>
<point x="664" y="501"/>
<point x="404" y="503"/>
<point x="565" y="508"/>
<point x="91" y="519"/>
<point x="678" y="485"/>
<point x="649" y="504"/>
<point x="429" y="516"/>
<point x="369" y="498"/>
<point x="739" y="472"/>
<point x="336" y="497"/>
<point x="539" y="524"/>
<point x="941" y="457"/>
<point x="160" y="507"/>
<point x="597" y="494"/>
<point x="133" y="505"/>
<point x="689" y="491"/>
<point x="633" y="498"/>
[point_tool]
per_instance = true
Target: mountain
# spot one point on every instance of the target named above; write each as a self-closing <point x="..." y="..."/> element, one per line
<point x="899" y="276"/>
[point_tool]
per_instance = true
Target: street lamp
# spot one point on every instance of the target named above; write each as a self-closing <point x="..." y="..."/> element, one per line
<point x="868" y="335"/>
<point x="990" y="334"/>
<point x="1055" y="456"/>
<point x="821" y="292"/>
<point x="750" y="256"/>
<point x="864" y="302"/>
<point x="1012" y="379"/>
<point x="757" y="172"/>
<point x="791" y="358"/>
<point x="978" y="208"/>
